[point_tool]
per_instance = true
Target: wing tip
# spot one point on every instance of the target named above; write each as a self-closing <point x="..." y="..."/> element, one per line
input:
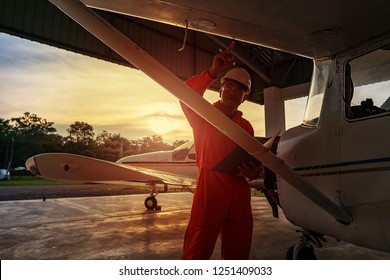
<point x="32" y="166"/>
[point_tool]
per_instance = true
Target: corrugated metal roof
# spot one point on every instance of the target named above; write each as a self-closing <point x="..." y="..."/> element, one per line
<point x="40" y="21"/>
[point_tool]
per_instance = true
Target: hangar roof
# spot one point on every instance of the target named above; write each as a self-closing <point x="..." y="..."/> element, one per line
<point x="39" y="20"/>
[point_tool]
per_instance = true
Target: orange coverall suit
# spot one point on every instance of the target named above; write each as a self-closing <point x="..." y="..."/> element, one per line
<point x="222" y="202"/>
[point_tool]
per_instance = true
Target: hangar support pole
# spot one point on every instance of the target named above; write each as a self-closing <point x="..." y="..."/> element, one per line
<point x="274" y="111"/>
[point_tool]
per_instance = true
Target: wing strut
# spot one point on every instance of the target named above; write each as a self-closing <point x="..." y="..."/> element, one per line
<point x="151" y="67"/>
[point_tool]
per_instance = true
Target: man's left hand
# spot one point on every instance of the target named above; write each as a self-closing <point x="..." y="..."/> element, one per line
<point x="250" y="170"/>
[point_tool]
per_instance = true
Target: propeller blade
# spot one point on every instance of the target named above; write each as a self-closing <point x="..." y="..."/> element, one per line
<point x="151" y="67"/>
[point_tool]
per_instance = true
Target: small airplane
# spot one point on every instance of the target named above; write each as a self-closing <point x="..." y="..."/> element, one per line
<point x="333" y="170"/>
<point x="4" y="174"/>
<point x="174" y="169"/>
<point x="181" y="163"/>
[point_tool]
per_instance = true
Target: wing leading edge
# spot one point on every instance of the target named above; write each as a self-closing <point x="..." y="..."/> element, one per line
<point x="69" y="167"/>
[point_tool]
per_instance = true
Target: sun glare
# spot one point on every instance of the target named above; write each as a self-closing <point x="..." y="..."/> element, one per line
<point x="162" y="125"/>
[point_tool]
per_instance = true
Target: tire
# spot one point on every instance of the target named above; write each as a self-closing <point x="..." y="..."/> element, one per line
<point x="306" y="252"/>
<point x="150" y="202"/>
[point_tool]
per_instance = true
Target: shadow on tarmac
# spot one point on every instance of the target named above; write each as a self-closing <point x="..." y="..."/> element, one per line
<point x="119" y="227"/>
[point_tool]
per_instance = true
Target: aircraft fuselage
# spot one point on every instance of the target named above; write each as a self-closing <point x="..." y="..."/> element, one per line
<point x="342" y="147"/>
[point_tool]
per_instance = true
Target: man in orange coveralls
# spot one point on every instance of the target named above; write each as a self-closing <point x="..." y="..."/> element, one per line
<point x="221" y="203"/>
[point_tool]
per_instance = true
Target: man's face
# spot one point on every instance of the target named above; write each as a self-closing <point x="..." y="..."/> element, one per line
<point x="232" y="94"/>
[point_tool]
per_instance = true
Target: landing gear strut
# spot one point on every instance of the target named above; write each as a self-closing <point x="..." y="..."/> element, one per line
<point x="151" y="201"/>
<point x="304" y="250"/>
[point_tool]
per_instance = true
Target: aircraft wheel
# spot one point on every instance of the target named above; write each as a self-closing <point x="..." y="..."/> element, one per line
<point x="150" y="202"/>
<point x="305" y="252"/>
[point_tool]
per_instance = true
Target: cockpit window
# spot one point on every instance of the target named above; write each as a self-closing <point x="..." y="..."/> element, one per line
<point x="317" y="91"/>
<point x="181" y="152"/>
<point x="367" y="85"/>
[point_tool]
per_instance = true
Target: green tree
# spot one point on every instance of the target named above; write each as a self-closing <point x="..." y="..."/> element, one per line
<point x="112" y="146"/>
<point x="178" y="143"/>
<point x="6" y="135"/>
<point x="152" y="143"/>
<point x="5" y="129"/>
<point x="80" y="139"/>
<point x="80" y="132"/>
<point x="32" y="135"/>
<point x="31" y="125"/>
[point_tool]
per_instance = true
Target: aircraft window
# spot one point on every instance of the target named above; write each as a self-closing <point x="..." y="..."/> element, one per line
<point x="192" y="156"/>
<point x="368" y="85"/>
<point x="317" y="92"/>
<point x="181" y="152"/>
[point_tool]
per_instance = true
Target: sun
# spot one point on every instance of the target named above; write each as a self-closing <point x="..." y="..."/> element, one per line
<point x="162" y="125"/>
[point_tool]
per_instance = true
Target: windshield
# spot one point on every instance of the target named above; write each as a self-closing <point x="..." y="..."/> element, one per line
<point x="181" y="152"/>
<point x="317" y="92"/>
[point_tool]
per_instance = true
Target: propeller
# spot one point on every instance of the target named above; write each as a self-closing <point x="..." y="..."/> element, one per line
<point x="151" y="67"/>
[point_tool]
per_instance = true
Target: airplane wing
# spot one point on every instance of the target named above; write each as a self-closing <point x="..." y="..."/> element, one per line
<point x="298" y="27"/>
<point x="136" y="56"/>
<point x="69" y="167"/>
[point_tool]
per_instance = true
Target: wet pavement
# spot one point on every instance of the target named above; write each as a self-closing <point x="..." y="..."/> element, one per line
<point x="120" y="227"/>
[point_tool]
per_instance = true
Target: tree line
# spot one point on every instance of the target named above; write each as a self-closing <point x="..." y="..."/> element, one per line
<point x="23" y="137"/>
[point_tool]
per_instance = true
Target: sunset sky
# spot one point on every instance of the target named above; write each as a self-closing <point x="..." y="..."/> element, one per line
<point x="64" y="87"/>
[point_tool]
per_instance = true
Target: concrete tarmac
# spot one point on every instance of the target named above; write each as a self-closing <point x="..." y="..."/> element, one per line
<point x="119" y="227"/>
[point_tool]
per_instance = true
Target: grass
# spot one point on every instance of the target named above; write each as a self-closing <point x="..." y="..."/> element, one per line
<point x="37" y="181"/>
<point x="33" y="181"/>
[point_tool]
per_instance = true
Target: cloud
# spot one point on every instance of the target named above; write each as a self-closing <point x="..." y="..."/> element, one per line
<point x="16" y="52"/>
<point x="64" y="87"/>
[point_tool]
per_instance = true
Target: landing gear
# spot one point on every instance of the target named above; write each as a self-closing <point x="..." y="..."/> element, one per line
<point x="301" y="252"/>
<point x="304" y="250"/>
<point x="150" y="202"/>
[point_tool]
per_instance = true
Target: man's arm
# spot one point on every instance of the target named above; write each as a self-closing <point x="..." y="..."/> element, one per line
<point x="198" y="83"/>
<point x="221" y="63"/>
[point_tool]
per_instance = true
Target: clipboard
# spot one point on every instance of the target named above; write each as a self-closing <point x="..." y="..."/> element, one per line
<point x="234" y="159"/>
<point x="239" y="156"/>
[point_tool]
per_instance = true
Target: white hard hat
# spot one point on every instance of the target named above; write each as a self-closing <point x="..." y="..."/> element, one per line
<point x="239" y="75"/>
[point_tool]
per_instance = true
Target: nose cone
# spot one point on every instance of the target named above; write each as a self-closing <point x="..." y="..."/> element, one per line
<point x="32" y="166"/>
